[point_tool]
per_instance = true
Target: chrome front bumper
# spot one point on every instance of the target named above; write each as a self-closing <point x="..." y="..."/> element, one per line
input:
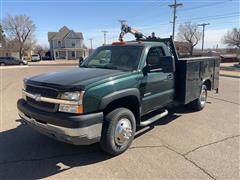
<point x="78" y="136"/>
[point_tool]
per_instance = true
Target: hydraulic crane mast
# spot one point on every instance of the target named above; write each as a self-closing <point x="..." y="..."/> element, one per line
<point x="127" y="29"/>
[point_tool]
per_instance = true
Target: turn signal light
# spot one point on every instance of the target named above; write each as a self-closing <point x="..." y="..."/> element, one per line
<point x="118" y="43"/>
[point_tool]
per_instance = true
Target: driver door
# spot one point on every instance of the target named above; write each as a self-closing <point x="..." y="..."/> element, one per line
<point x="157" y="87"/>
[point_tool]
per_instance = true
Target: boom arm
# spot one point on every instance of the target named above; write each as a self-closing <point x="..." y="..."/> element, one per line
<point x="127" y="29"/>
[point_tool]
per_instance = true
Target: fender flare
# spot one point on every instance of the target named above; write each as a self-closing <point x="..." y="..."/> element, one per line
<point x="119" y="94"/>
<point x="207" y="79"/>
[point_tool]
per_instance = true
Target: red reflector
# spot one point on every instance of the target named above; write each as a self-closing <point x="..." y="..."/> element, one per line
<point x="116" y="43"/>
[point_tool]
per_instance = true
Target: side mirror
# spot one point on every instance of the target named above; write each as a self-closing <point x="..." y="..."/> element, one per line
<point x="146" y="70"/>
<point x="151" y="69"/>
<point x="168" y="64"/>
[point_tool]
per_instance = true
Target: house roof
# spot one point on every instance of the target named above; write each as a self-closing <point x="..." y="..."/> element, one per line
<point x="229" y="55"/>
<point x="62" y="33"/>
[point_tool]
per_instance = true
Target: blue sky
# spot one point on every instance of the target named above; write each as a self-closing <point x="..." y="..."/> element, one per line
<point x="90" y="17"/>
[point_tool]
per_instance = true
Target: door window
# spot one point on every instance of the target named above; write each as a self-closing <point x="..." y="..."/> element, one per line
<point x="157" y="59"/>
<point x="154" y="56"/>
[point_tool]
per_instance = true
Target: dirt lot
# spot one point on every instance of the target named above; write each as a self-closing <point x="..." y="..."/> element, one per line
<point x="183" y="145"/>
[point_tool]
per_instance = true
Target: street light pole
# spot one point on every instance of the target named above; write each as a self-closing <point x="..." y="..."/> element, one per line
<point x="90" y="39"/>
<point x="104" y="36"/>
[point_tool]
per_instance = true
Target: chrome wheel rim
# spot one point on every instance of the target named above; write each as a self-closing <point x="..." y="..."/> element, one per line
<point x="203" y="96"/>
<point x="123" y="131"/>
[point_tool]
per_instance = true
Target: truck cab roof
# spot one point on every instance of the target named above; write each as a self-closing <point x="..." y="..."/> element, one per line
<point x="137" y="43"/>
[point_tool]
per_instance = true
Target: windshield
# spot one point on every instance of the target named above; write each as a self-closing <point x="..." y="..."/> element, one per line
<point x="115" y="57"/>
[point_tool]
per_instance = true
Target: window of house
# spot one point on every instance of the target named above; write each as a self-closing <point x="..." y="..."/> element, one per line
<point x="73" y="53"/>
<point x="59" y="43"/>
<point x="56" y="54"/>
<point x="73" y="44"/>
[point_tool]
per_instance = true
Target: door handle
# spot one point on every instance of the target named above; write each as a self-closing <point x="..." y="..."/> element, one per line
<point x="170" y="76"/>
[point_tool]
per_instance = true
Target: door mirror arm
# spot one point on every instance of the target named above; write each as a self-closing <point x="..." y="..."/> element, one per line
<point x="146" y="70"/>
<point x="151" y="69"/>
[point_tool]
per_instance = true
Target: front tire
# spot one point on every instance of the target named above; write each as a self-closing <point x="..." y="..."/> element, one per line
<point x="200" y="103"/>
<point x="118" y="131"/>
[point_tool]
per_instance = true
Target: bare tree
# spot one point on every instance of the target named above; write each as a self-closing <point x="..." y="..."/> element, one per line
<point x="20" y="28"/>
<point x="40" y="50"/>
<point x="2" y="35"/>
<point x="232" y="38"/>
<point x="189" y="32"/>
<point x="29" y="45"/>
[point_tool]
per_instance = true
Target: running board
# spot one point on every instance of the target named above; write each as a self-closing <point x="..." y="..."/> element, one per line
<point x="154" y="118"/>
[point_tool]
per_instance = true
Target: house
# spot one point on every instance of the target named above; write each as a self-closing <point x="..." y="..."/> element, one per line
<point x="182" y="47"/>
<point x="67" y="44"/>
<point x="6" y="50"/>
<point x="229" y="58"/>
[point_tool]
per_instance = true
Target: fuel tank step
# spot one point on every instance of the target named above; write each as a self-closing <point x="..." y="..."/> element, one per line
<point x="154" y="118"/>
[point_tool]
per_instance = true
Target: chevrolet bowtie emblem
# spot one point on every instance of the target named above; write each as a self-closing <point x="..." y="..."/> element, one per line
<point x="37" y="97"/>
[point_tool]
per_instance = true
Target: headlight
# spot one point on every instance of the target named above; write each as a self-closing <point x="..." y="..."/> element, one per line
<point x="24" y="89"/>
<point x="75" y="97"/>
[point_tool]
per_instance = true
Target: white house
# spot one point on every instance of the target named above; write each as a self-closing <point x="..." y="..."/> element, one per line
<point x="67" y="44"/>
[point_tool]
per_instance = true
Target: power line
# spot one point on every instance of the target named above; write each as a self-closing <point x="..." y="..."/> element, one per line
<point x="215" y="3"/>
<point x="203" y="32"/>
<point x="174" y="6"/>
<point x="216" y="15"/>
<point x="206" y="5"/>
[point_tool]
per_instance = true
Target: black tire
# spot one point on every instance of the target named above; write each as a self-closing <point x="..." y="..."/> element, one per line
<point x="21" y="64"/>
<point x="108" y="140"/>
<point x="2" y="64"/>
<point x="200" y="103"/>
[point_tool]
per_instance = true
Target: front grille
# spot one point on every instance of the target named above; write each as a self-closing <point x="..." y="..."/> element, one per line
<point x="44" y="92"/>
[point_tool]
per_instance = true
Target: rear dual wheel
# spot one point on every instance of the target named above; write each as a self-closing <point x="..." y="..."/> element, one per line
<point x="118" y="131"/>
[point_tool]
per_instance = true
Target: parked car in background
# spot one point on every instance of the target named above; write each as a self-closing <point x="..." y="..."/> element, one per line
<point x="26" y="58"/>
<point x="35" y="58"/>
<point x="12" y="61"/>
<point x="47" y="58"/>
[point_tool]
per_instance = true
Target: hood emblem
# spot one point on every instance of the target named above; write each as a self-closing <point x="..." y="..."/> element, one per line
<point x="37" y="97"/>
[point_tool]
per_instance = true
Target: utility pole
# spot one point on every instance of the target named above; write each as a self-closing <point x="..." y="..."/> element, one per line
<point x="90" y="39"/>
<point x="203" y="32"/>
<point x="174" y="6"/>
<point x="104" y="36"/>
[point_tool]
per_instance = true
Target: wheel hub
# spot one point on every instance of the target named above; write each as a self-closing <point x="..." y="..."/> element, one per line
<point x="203" y="96"/>
<point x="123" y="131"/>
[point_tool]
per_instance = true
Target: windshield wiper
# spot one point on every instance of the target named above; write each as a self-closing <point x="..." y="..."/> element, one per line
<point x="106" y="67"/>
<point x="86" y="66"/>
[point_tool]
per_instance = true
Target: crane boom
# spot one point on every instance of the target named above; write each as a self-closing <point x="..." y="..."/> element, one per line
<point x="127" y="29"/>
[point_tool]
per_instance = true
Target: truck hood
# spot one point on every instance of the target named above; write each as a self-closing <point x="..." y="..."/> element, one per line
<point x="76" y="78"/>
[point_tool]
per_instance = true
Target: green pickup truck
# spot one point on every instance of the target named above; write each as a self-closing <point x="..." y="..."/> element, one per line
<point x="116" y="89"/>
